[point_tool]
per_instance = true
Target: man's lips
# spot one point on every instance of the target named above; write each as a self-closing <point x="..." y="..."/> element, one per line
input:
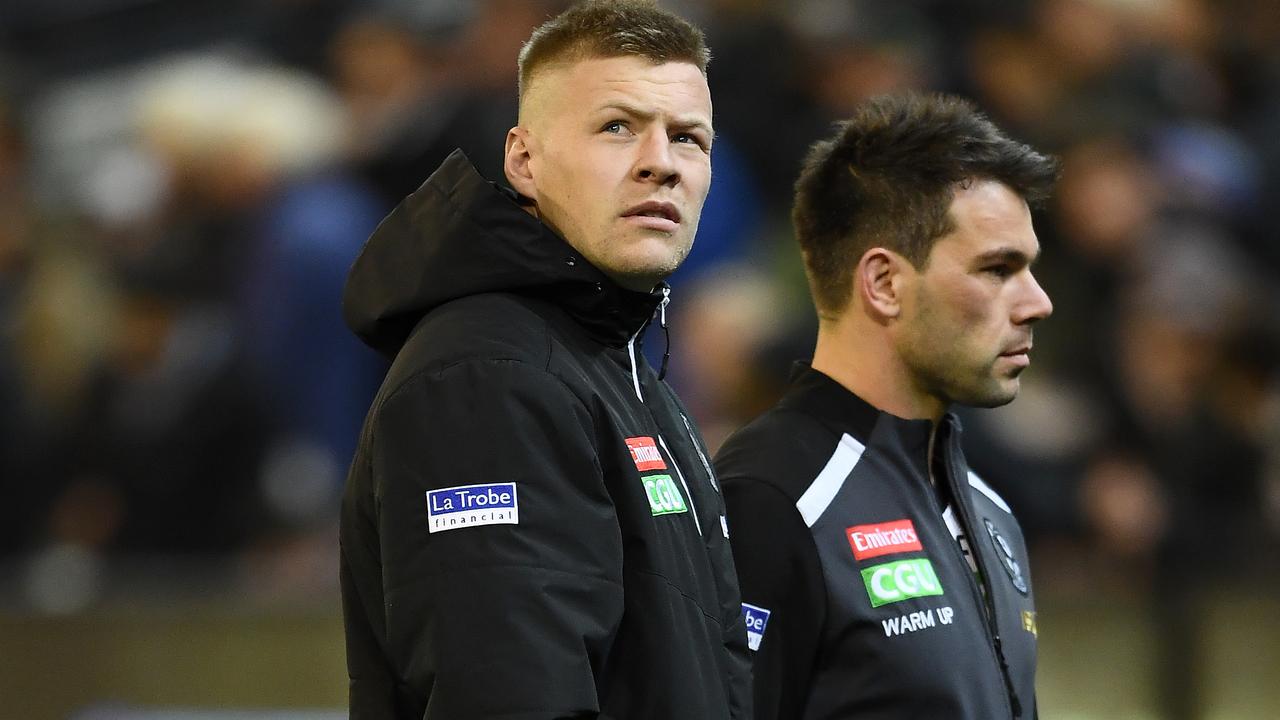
<point x="655" y="215"/>
<point x="1020" y="355"/>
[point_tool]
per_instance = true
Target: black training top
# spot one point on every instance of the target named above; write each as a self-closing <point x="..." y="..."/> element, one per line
<point x="860" y="593"/>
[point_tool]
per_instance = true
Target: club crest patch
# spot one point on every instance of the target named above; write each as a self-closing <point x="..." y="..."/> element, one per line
<point x="471" y="506"/>
<point x="1005" y="552"/>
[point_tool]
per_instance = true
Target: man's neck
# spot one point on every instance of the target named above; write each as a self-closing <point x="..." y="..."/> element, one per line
<point x="864" y="362"/>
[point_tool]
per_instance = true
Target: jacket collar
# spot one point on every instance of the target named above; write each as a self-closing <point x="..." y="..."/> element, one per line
<point x="460" y="235"/>
<point x="818" y="395"/>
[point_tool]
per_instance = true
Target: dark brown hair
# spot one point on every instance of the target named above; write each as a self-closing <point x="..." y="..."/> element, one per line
<point x="612" y="28"/>
<point x="887" y="177"/>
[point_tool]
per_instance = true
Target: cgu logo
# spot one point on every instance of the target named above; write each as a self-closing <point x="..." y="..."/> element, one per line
<point x="664" y="497"/>
<point x="901" y="580"/>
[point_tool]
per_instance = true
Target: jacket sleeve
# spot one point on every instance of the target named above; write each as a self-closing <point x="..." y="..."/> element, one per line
<point x="510" y="618"/>
<point x="780" y="575"/>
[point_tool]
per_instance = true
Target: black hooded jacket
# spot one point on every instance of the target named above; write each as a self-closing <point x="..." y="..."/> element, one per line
<point x="530" y="527"/>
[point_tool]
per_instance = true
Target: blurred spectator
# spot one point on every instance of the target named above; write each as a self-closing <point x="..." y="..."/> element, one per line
<point x="165" y="450"/>
<point x="192" y="388"/>
<point x="722" y="323"/>
<point x="758" y="96"/>
<point x="421" y="79"/>
<point x="405" y="112"/>
<point x="17" y="228"/>
<point x="298" y="33"/>
<point x="272" y="224"/>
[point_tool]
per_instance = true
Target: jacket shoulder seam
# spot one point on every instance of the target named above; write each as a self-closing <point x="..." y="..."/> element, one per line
<point x="416" y="375"/>
<point x="811" y="542"/>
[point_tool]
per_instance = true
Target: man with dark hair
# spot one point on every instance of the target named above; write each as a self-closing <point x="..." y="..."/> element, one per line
<point x="882" y="578"/>
<point x="531" y="528"/>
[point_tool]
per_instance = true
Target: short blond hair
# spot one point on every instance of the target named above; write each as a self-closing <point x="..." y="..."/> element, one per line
<point x="612" y="28"/>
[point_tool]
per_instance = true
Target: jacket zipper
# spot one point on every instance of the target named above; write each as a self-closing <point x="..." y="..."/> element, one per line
<point x="986" y="597"/>
<point x="711" y="476"/>
<point x="666" y="331"/>
<point x="631" y="353"/>
<point x="635" y="381"/>
<point x="693" y="507"/>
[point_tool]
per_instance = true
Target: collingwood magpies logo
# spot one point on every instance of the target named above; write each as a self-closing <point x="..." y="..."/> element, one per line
<point x="1005" y="552"/>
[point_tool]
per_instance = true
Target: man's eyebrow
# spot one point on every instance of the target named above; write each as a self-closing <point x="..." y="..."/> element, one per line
<point x="685" y="122"/>
<point x="1008" y="254"/>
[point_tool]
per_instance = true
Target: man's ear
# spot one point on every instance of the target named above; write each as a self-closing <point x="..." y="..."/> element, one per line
<point x="879" y="281"/>
<point x="516" y="163"/>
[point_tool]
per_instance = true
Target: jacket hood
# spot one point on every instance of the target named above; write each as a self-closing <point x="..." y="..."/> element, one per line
<point x="459" y="235"/>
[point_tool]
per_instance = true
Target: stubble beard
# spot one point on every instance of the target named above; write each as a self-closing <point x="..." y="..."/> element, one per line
<point x="952" y="381"/>
<point x="944" y="369"/>
<point x="647" y="267"/>
<point x="987" y="389"/>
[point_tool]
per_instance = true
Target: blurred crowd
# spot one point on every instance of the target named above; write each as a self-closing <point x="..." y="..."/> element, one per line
<point x="184" y="183"/>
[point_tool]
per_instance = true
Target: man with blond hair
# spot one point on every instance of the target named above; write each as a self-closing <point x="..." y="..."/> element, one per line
<point x="531" y="528"/>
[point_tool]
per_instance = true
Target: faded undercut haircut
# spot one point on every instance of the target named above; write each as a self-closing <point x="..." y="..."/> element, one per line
<point x="887" y="177"/>
<point x="612" y="28"/>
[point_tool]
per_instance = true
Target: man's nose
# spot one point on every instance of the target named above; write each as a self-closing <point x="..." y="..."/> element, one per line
<point x="656" y="162"/>
<point x="1035" y="304"/>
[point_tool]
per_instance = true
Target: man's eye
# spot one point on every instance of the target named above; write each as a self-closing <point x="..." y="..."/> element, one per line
<point x="999" y="271"/>
<point x="688" y="139"/>
<point x="616" y="127"/>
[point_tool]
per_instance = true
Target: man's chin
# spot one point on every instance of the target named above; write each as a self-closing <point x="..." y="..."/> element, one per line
<point x="1003" y="394"/>
<point x="643" y="280"/>
<point x="644" y="273"/>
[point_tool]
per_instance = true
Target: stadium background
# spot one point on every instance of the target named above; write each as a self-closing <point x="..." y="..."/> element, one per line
<point x="183" y="184"/>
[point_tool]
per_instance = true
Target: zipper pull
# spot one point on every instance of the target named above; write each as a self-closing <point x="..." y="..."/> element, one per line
<point x="666" y="332"/>
<point x="711" y="474"/>
<point x="635" y="375"/>
<point x="1014" y="703"/>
